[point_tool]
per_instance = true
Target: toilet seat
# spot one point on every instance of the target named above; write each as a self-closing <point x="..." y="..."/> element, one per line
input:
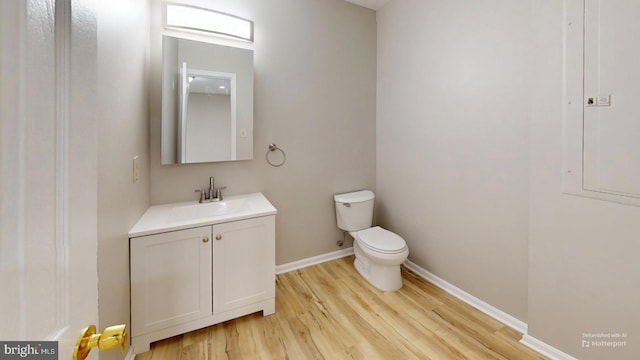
<point x="381" y="241"/>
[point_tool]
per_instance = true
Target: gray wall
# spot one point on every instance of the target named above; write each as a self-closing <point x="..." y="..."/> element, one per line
<point x="583" y="268"/>
<point x="315" y="71"/>
<point x="469" y="170"/>
<point x="453" y="141"/>
<point x="123" y="132"/>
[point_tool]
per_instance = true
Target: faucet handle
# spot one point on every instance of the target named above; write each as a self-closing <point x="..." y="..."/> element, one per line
<point x="218" y="192"/>
<point x="202" y="194"/>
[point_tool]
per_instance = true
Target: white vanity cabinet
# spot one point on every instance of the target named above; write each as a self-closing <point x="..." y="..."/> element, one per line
<point x="196" y="274"/>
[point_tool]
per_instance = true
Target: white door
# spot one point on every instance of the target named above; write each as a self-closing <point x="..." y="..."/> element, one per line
<point x="48" y="174"/>
<point x="611" y="90"/>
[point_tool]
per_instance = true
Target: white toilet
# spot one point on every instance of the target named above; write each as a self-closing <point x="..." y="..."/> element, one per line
<point x="379" y="252"/>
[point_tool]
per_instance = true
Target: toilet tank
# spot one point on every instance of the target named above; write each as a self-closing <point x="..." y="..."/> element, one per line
<point x="354" y="210"/>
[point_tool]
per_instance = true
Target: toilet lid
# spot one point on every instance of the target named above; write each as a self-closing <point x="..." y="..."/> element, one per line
<point x="379" y="239"/>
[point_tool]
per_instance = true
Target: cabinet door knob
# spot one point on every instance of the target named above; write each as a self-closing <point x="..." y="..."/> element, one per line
<point x="205" y="239"/>
<point x="218" y="237"/>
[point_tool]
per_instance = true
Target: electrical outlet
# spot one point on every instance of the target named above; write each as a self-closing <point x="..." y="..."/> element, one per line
<point x="136" y="168"/>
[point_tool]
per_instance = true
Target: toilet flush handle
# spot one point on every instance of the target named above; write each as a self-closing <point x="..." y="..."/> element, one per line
<point x="346" y="204"/>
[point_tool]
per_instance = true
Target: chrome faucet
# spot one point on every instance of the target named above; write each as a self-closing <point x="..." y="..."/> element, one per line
<point x="211" y="194"/>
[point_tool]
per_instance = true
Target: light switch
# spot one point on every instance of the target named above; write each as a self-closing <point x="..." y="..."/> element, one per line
<point x="243" y="133"/>
<point x="604" y="100"/>
<point x="136" y="168"/>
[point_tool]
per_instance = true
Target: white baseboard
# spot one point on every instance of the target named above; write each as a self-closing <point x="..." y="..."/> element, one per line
<point x="284" y="268"/>
<point x="130" y="354"/>
<point x="545" y="349"/>
<point x="494" y="312"/>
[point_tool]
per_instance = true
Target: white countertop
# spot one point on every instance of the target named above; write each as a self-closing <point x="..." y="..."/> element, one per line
<point x="190" y="214"/>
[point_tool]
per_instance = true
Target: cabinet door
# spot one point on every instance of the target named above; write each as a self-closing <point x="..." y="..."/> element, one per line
<point x="170" y="279"/>
<point x="243" y="263"/>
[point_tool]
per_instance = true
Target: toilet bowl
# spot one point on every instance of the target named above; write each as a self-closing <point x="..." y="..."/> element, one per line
<point x="378" y="252"/>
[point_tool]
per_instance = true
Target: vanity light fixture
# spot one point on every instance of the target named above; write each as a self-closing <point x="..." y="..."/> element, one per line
<point x="196" y="18"/>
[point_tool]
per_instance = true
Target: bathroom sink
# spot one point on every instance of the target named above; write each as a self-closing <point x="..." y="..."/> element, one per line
<point x="206" y="210"/>
<point x="185" y="215"/>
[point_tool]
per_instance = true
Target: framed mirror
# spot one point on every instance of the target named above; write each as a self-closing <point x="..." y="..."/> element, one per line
<point x="207" y="102"/>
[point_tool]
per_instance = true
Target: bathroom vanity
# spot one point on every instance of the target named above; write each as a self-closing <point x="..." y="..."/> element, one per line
<point x="193" y="265"/>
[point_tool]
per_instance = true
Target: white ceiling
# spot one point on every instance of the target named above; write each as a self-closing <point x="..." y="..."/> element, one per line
<point x="371" y="4"/>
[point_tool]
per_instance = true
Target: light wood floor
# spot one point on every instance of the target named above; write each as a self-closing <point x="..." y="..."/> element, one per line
<point x="328" y="312"/>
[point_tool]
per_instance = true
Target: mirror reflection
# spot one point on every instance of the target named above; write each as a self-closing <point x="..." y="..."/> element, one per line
<point x="207" y="102"/>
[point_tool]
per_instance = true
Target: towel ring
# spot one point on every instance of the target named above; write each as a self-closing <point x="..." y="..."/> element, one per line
<point x="272" y="148"/>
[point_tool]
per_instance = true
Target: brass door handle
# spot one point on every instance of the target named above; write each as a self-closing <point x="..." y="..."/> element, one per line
<point x="110" y="337"/>
<point x="205" y="239"/>
<point x="218" y="237"/>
